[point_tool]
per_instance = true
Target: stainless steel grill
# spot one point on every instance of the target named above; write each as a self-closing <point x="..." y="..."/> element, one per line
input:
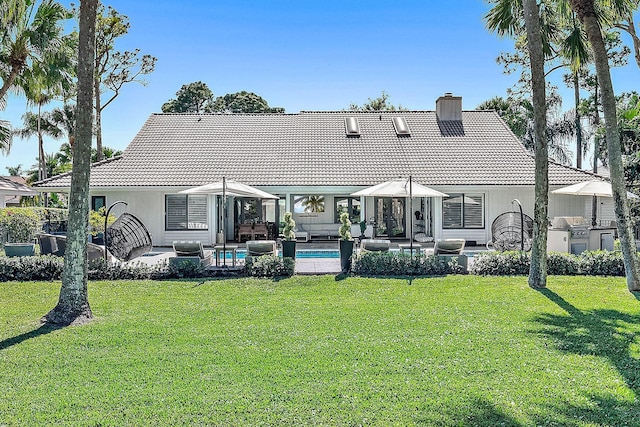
<point x="568" y="234"/>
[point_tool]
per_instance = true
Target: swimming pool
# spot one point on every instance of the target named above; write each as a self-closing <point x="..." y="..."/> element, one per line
<point x="304" y="253"/>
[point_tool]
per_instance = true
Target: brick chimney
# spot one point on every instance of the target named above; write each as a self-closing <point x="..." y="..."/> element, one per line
<point x="449" y="108"/>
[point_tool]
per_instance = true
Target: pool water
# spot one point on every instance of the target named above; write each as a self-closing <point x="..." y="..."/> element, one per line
<point x="317" y="253"/>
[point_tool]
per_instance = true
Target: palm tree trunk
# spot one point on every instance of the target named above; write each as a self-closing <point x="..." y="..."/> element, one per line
<point x="586" y="13"/>
<point x="576" y="96"/>
<point x="538" y="270"/>
<point x="9" y="81"/>
<point x="96" y="91"/>
<point x="73" y="303"/>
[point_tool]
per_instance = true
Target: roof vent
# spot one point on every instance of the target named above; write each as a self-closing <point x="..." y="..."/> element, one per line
<point x="402" y="129"/>
<point x="352" y="127"/>
<point x="449" y="108"/>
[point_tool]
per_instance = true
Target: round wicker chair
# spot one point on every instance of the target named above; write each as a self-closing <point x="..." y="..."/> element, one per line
<point x="508" y="232"/>
<point x="128" y="238"/>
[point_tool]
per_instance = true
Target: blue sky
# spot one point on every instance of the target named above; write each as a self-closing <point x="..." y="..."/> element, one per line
<point x="304" y="55"/>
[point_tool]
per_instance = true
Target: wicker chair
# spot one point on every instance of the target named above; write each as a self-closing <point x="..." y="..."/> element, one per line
<point x="127" y="238"/>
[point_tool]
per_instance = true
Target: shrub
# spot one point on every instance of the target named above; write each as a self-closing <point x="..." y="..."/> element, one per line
<point x="601" y="263"/>
<point x="269" y="266"/>
<point x="29" y="268"/>
<point x="562" y="264"/>
<point x="101" y="269"/>
<point x="509" y="263"/>
<point x="598" y="263"/>
<point x="396" y="264"/>
<point x="184" y="269"/>
<point x="19" y="225"/>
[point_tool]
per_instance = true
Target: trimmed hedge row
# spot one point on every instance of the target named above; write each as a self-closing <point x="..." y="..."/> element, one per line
<point x="397" y="264"/>
<point x="49" y="268"/>
<point x="516" y="263"/>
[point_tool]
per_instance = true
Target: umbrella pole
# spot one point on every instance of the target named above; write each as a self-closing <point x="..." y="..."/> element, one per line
<point x="224" y="214"/>
<point x="410" y="217"/>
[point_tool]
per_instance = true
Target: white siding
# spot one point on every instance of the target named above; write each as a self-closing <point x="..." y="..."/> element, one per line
<point x="149" y="206"/>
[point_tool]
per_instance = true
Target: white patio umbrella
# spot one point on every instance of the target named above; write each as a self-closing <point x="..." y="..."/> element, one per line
<point x="590" y="188"/>
<point x="401" y="187"/>
<point x="594" y="187"/>
<point x="226" y="188"/>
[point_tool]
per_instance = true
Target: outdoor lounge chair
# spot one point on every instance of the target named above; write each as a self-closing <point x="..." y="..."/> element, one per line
<point x="449" y="247"/>
<point x="262" y="247"/>
<point x="192" y="252"/>
<point x="375" y="245"/>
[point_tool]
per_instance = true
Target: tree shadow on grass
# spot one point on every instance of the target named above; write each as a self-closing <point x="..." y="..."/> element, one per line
<point x="45" y="329"/>
<point x="477" y="413"/>
<point x="601" y="333"/>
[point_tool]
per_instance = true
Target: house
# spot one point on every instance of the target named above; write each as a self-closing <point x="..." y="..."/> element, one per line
<point x="12" y="188"/>
<point x="314" y="160"/>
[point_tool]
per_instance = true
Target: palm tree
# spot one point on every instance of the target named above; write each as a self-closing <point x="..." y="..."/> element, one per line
<point x="5" y="136"/>
<point x="39" y="125"/>
<point x="65" y="119"/>
<point x="589" y="17"/>
<point x="73" y="303"/>
<point x="538" y="270"/>
<point x="28" y="36"/>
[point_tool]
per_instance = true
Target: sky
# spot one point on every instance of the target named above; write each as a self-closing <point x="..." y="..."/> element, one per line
<point x="303" y="56"/>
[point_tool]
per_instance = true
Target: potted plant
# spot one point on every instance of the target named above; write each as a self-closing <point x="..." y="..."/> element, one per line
<point x="363" y="228"/>
<point x="289" y="234"/>
<point x="18" y="227"/>
<point x="346" y="243"/>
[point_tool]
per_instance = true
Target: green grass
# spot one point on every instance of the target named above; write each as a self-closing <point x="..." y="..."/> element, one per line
<point x="454" y="351"/>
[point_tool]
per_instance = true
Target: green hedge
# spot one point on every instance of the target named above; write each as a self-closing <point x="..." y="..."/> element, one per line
<point x="269" y="266"/>
<point x="516" y="263"/>
<point x="397" y="264"/>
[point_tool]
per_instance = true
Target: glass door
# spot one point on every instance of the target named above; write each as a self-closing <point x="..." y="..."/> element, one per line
<point x="390" y="218"/>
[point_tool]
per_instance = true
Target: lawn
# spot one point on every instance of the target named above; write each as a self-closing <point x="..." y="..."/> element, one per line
<point x="453" y="351"/>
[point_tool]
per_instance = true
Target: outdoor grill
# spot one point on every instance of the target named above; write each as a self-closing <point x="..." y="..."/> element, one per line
<point x="568" y="234"/>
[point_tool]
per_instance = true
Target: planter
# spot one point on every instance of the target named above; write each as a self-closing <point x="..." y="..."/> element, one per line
<point x="346" y="250"/>
<point x="289" y="249"/>
<point x="19" y="249"/>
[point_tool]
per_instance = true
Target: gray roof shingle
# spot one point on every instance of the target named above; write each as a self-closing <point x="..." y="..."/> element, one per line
<point x="312" y="149"/>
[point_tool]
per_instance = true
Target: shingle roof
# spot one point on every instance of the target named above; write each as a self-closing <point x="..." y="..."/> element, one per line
<point x="312" y="149"/>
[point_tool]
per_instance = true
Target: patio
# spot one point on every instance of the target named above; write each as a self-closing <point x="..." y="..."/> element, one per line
<point x="305" y="265"/>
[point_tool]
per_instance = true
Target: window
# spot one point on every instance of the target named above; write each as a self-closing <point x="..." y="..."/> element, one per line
<point x="98" y="202"/>
<point x="463" y="211"/>
<point x="350" y="205"/>
<point x="186" y="212"/>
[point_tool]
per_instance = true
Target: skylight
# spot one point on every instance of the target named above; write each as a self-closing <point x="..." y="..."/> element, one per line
<point x="402" y="129"/>
<point x="352" y="126"/>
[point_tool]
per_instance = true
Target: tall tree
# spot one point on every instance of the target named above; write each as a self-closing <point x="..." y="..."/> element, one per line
<point x="114" y="69"/>
<point x="73" y="303"/>
<point x="39" y="125"/>
<point x="194" y="97"/>
<point x="28" y="35"/>
<point x="15" y="170"/>
<point x="587" y="12"/>
<point x="65" y="119"/>
<point x="380" y="103"/>
<point x="538" y="270"/>
<point x="244" y="102"/>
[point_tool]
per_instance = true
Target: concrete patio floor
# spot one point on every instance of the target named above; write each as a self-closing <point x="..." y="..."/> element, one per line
<point x="304" y="266"/>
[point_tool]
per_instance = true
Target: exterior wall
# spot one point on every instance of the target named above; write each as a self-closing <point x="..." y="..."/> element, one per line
<point x="149" y="206"/>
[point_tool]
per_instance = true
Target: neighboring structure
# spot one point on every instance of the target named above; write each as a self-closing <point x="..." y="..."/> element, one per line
<point x="315" y="160"/>
<point x="12" y="188"/>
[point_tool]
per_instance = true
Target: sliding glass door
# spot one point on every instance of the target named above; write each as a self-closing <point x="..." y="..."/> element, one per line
<point x="390" y="217"/>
